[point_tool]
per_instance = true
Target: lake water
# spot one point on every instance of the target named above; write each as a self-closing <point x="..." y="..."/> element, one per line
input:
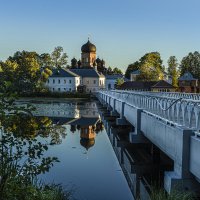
<point x="87" y="161"/>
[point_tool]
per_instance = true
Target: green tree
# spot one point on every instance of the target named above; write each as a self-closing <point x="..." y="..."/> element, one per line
<point x="132" y="67"/>
<point x="151" y="67"/>
<point x="191" y="63"/>
<point x="117" y="71"/>
<point x="109" y="71"/>
<point x="119" y="82"/>
<point x="172" y="70"/>
<point x="24" y="72"/>
<point x="45" y="60"/>
<point x="59" y="59"/>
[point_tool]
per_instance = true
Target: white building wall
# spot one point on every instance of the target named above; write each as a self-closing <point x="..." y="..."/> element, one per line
<point x="63" y="84"/>
<point x="110" y="84"/>
<point x="93" y="84"/>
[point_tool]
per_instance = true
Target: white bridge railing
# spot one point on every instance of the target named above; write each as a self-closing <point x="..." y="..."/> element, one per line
<point x="176" y="108"/>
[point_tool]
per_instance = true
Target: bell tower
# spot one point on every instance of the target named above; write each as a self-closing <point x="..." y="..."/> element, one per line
<point x="88" y="55"/>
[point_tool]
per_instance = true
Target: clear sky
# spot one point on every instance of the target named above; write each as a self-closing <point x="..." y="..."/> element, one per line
<point x="122" y="30"/>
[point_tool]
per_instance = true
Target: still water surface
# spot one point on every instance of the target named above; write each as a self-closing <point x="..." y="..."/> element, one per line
<point x="87" y="160"/>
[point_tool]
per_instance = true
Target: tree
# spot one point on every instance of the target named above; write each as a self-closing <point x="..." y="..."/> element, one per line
<point x="119" y="82"/>
<point x="132" y="67"/>
<point x="109" y="71"/>
<point x="24" y="72"/>
<point x="191" y="63"/>
<point x="45" y="60"/>
<point x="172" y="70"/>
<point x="59" y="59"/>
<point x="117" y="71"/>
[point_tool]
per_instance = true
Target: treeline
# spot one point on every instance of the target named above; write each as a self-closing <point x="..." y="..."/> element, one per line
<point x="26" y="72"/>
<point x="152" y="69"/>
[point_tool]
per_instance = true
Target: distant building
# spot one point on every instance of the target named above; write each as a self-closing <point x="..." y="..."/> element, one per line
<point x="155" y="86"/>
<point x="91" y="79"/>
<point x="187" y="83"/>
<point x="111" y="81"/>
<point x="83" y="75"/>
<point x="167" y="78"/>
<point x="63" y="80"/>
<point x="134" y="74"/>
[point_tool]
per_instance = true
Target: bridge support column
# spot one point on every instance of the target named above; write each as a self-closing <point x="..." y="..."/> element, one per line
<point x="114" y="112"/>
<point x="122" y="120"/>
<point x="136" y="136"/>
<point x="181" y="178"/>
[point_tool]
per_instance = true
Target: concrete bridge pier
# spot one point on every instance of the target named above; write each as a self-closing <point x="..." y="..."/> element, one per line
<point x="122" y="120"/>
<point x="181" y="178"/>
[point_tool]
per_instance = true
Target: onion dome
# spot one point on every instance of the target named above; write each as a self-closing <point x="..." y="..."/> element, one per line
<point x="98" y="60"/>
<point x="88" y="47"/>
<point x="87" y="143"/>
<point x="74" y="60"/>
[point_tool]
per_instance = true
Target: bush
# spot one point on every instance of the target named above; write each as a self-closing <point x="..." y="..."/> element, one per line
<point x="57" y="95"/>
<point x="160" y="194"/>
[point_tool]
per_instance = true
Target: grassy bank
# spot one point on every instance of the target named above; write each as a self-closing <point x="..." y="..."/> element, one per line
<point x="57" y="95"/>
<point x="160" y="194"/>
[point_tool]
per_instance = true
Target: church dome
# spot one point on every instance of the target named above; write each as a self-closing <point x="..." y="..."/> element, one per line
<point x="87" y="143"/>
<point x="88" y="47"/>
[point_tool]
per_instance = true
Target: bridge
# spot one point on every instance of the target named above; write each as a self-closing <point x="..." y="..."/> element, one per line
<point x="171" y="121"/>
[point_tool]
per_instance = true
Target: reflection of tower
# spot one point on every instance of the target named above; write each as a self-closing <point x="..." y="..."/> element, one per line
<point x="88" y="55"/>
<point x="87" y="136"/>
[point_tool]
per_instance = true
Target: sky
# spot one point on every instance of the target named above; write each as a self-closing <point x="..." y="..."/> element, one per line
<point x="122" y="30"/>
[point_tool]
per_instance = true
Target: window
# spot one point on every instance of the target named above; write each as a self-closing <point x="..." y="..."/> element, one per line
<point x="77" y="81"/>
<point x="65" y="81"/>
<point x="53" y="89"/>
<point x="64" y="89"/>
<point x="70" y="81"/>
<point x="94" y="81"/>
<point x="59" y="89"/>
<point x="58" y="80"/>
<point x="87" y="81"/>
<point x="93" y="89"/>
<point x="70" y="89"/>
<point x="48" y="81"/>
<point x="100" y="82"/>
<point x="53" y="80"/>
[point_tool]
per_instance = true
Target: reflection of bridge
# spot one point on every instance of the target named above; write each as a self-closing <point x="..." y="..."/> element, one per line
<point x="171" y="121"/>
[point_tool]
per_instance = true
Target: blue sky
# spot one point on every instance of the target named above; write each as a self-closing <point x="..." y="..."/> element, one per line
<point x="122" y="30"/>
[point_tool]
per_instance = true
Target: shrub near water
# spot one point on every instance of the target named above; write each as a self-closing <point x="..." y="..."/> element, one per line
<point x="160" y="194"/>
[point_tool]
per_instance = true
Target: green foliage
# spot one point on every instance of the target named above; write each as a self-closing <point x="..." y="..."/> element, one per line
<point x="160" y="194"/>
<point x="22" y="154"/>
<point x="191" y="63"/>
<point x="59" y="59"/>
<point x="49" y="94"/>
<point x="132" y="67"/>
<point x="150" y="66"/>
<point x="115" y="70"/>
<point x="119" y="82"/>
<point x="24" y="72"/>
<point x="172" y="70"/>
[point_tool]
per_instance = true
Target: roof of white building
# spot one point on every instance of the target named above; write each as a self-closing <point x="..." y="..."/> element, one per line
<point x="187" y="77"/>
<point x="63" y="73"/>
<point x="136" y="72"/>
<point x="114" y="76"/>
<point x="87" y="73"/>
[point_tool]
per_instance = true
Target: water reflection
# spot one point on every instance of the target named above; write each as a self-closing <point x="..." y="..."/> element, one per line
<point x="22" y="153"/>
<point x="85" y="152"/>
